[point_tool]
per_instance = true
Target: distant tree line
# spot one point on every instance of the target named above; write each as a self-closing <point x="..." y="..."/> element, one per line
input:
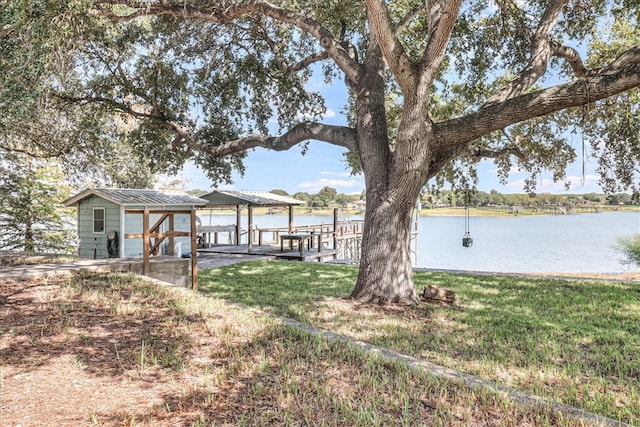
<point x="328" y="196"/>
<point x="495" y="198"/>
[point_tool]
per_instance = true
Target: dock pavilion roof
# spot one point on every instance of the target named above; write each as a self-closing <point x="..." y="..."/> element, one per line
<point x="250" y="198"/>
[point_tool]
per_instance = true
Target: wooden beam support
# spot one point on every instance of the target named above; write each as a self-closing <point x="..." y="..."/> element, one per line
<point x="238" y="224"/>
<point x="171" y="236"/>
<point x="250" y="230"/>
<point x="291" y="227"/>
<point x="194" y="252"/>
<point x="145" y="242"/>
<point x="156" y="226"/>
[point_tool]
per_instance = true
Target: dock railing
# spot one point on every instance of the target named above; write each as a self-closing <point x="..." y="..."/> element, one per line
<point x="323" y="236"/>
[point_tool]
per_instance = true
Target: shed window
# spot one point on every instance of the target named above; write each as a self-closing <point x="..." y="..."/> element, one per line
<point x="98" y="220"/>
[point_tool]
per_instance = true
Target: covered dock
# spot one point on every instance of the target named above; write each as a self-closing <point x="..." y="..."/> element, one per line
<point x="319" y="242"/>
<point x="240" y="200"/>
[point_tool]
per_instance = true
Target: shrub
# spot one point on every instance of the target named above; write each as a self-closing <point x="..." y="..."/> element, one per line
<point x="630" y="248"/>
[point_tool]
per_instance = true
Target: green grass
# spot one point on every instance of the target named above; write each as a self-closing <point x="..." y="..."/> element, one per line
<point x="214" y="363"/>
<point x="577" y="342"/>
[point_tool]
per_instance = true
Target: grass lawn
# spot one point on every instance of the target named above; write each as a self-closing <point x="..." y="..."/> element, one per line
<point x="575" y="342"/>
<point x="114" y="350"/>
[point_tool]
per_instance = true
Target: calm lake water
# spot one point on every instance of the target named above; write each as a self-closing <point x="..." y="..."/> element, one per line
<point x="546" y="243"/>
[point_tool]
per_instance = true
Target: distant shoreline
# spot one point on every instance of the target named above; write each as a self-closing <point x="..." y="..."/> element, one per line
<point x="444" y="211"/>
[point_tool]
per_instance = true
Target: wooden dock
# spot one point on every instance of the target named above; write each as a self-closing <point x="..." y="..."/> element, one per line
<point x="341" y="240"/>
<point x="273" y="251"/>
<point x="320" y="242"/>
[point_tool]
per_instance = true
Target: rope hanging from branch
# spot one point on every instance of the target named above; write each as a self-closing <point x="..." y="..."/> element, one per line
<point x="467" y="241"/>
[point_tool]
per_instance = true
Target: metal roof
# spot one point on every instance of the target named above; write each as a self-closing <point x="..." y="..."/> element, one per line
<point x="136" y="197"/>
<point x="253" y="198"/>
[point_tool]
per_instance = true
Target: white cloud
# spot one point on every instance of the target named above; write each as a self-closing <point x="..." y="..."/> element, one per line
<point x="226" y="187"/>
<point x="341" y="185"/>
<point x="329" y="113"/>
<point x="331" y="173"/>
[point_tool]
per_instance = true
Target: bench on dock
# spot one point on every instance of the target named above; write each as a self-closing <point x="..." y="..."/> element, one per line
<point x="302" y="239"/>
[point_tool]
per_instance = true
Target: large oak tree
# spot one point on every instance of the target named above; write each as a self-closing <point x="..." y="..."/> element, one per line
<point x="435" y="86"/>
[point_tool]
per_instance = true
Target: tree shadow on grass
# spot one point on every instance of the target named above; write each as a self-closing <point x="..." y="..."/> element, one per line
<point x="292" y="378"/>
<point x="42" y="321"/>
<point x="519" y="326"/>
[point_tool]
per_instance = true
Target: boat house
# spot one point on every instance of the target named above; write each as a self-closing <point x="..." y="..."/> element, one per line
<point x="112" y="223"/>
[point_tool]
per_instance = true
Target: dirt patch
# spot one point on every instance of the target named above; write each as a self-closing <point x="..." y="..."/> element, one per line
<point x="78" y="357"/>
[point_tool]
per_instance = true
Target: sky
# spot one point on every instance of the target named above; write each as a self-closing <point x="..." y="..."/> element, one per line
<point x="324" y="165"/>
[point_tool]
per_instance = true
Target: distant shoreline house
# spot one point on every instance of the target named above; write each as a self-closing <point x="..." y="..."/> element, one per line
<point x="111" y="222"/>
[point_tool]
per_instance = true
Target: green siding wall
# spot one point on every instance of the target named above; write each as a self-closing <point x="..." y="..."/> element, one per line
<point x="132" y="223"/>
<point x="85" y="226"/>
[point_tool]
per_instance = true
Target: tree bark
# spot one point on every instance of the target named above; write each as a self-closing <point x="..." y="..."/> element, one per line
<point x="386" y="274"/>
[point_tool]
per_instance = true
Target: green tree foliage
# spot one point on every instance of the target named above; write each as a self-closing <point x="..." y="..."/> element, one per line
<point x="32" y="218"/>
<point x="37" y="40"/>
<point x="630" y="249"/>
<point x="612" y="126"/>
<point x="303" y="196"/>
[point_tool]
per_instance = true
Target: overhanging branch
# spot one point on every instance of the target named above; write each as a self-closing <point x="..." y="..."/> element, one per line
<point x="224" y="15"/>
<point x="620" y="76"/>
<point x="336" y="135"/>
<point x="541" y="50"/>
<point x="394" y="54"/>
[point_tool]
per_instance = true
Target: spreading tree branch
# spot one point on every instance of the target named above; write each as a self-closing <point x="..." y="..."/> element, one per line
<point x="394" y="54"/>
<point x="224" y="15"/>
<point x="442" y="18"/>
<point x="620" y="76"/>
<point x="541" y="51"/>
<point x="336" y="135"/>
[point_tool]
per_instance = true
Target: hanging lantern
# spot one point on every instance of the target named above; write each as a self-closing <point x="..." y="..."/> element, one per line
<point x="467" y="241"/>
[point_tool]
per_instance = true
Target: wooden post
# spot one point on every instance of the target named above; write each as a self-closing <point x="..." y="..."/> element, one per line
<point x="238" y="221"/>
<point x="250" y="230"/>
<point x="335" y="228"/>
<point x="291" y="219"/>
<point x="171" y="238"/>
<point x="194" y="252"/>
<point x="145" y="242"/>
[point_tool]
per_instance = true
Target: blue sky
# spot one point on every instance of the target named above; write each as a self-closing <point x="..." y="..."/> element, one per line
<point x="324" y="165"/>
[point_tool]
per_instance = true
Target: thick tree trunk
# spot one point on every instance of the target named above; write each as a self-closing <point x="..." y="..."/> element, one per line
<point x="394" y="175"/>
<point x="386" y="274"/>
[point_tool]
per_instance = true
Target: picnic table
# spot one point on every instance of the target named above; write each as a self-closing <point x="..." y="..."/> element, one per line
<point x="302" y="239"/>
